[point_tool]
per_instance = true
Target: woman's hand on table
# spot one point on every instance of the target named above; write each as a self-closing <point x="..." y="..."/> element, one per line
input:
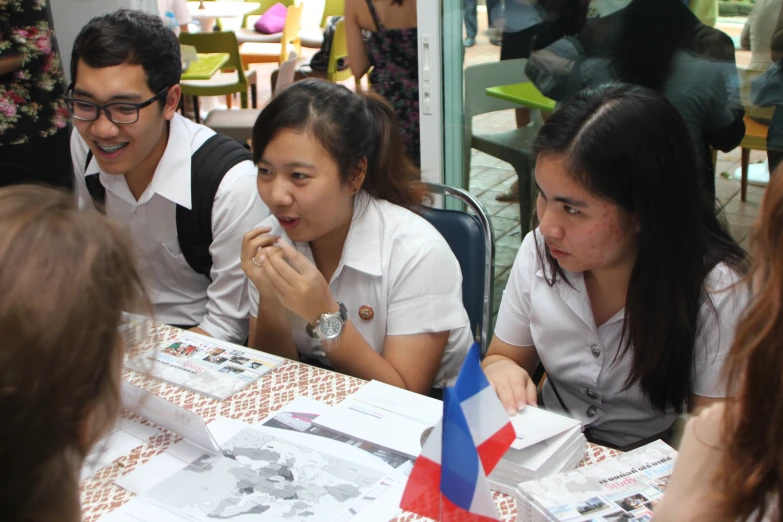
<point x="297" y="283"/>
<point x="512" y="383"/>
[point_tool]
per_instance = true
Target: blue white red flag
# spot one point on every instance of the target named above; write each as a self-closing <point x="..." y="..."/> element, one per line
<point x="449" y="479"/>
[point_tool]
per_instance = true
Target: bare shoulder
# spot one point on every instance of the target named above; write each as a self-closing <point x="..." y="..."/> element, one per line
<point x="356" y="12"/>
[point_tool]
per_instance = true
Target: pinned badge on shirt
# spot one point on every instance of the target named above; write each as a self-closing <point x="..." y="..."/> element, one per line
<point x="366" y="312"/>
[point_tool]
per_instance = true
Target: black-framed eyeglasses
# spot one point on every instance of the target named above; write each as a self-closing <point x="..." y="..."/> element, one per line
<point x="121" y="113"/>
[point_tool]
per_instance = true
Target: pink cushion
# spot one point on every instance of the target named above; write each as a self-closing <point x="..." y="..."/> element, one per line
<point x="273" y="20"/>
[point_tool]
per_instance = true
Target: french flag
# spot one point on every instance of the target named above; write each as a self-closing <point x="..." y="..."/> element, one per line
<point x="449" y="479"/>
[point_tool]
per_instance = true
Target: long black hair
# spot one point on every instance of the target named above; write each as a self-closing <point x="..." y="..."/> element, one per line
<point x="628" y="145"/>
<point x="350" y="127"/>
<point x="641" y="54"/>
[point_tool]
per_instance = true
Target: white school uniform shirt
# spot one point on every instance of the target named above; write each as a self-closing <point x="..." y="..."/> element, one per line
<point x="179" y="295"/>
<point x="559" y="322"/>
<point x="398" y="264"/>
<point x="175" y="13"/>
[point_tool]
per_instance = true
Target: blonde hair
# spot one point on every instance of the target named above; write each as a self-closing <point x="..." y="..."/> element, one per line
<point x="66" y="278"/>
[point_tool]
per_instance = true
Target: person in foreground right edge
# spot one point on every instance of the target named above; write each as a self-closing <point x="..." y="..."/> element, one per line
<point x="730" y="466"/>
<point x="628" y="291"/>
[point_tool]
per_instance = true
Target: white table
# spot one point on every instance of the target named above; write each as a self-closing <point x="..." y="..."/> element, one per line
<point x="214" y="10"/>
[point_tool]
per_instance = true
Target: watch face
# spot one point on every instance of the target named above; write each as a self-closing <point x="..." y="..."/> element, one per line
<point x="330" y="328"/>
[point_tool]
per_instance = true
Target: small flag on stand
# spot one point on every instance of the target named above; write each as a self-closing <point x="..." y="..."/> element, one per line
<point x="449" y="479"/>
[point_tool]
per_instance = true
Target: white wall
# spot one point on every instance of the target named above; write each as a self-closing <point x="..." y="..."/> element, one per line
<point x="428" y="13"/>
<point x="71" y="15"/>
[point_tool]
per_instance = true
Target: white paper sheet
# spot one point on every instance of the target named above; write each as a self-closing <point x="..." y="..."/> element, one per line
<point x="176" y="419"/>
<point x="265" y="474"/>
<point x="124" y="437"/>
<point x="534" y="425"/>
<point x="385" y="415"/>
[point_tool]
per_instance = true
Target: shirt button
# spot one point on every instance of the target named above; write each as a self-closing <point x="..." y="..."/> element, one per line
<point x="596" y="350"/>
<point x="592" y="394"/>
<point x="591" y="411"/>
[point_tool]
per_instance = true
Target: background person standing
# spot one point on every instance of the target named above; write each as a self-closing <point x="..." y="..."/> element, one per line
<point x="34" y="122"/>
<point x="494" y="11"/>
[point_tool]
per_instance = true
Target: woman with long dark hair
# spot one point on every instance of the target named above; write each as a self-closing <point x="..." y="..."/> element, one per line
<point x="343" y="274"/>
<point x="627" y="290"/>
<point x="705" y="90"/>
<point x="661" y="45"/>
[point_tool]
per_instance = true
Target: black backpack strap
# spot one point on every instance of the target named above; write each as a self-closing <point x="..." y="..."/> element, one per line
<point x="94" y="187"/>
<point x="209" y="164"/>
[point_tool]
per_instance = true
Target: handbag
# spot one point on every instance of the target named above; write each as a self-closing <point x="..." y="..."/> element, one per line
<point x="320" y="60"/>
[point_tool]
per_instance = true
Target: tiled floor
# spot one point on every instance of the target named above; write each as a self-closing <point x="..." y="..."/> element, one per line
<point x="489" y="176"/>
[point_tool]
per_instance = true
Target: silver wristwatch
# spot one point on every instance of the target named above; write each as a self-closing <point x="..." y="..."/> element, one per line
<point x="328" y="326"/>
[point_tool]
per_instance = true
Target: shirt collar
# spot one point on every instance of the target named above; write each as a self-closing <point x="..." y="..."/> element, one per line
<point x="575" y="296"/>
<point x="172" y="176"/>
<point x="362" y="250"/>
<point x="171" y="179"/>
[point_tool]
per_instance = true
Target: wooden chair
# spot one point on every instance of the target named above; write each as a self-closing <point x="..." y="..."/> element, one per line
<point x="232" y="79"/>
<point x="755" y="139"/>
<point x="252" y="52"/>
<point x="247" y="32"/>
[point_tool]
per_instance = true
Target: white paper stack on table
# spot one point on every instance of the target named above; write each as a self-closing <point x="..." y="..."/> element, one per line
<point x="622" y="488"/>
<point x="546" y="443"/>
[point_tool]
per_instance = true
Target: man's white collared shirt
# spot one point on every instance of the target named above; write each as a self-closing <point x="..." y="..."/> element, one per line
<point x="179" y="295"/>
<point x="398" y="264"/>
<point x="580" y="357"/>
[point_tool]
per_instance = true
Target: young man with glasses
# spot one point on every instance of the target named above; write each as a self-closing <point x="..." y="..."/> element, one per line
<point x="186" y="194"/>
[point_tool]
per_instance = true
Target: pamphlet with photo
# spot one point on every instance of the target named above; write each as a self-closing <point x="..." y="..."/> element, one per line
<point x="622" y="488"/>
<point x="204" y="365"/>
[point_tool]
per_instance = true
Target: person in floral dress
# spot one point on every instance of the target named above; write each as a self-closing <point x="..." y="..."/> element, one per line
<point x="388" y="45"/>
<point x="34" y="129"/>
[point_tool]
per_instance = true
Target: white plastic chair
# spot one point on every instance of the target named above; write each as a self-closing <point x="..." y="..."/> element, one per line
<point x="238" y="124"/>
<point x="512" y="146"/>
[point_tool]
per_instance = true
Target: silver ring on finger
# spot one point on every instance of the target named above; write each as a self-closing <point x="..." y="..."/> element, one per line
<point x="253" y="260"/>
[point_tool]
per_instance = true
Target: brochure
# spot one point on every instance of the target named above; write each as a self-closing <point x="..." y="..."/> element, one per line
<point x="205" y="365"/>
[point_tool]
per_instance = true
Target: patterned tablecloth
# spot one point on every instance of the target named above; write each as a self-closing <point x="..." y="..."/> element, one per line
<point x="251" y="405"/>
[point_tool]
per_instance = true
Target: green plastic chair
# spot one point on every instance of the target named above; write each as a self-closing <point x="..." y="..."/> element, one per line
<point x="338" y="52"/>
<point x="231" y="79"/>
<point x="332" y="8"/>
<point x="313" y="37"/>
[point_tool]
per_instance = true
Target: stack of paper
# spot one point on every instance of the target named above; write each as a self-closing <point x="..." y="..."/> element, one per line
<point x="623" y="488"/>
<point x="546" y="443"/>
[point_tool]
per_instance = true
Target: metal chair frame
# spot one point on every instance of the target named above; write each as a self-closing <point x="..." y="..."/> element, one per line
<point x="472" y="203"/>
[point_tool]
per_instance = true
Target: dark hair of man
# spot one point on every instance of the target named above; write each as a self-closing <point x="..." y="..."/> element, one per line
<point x="132" y="37"/>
